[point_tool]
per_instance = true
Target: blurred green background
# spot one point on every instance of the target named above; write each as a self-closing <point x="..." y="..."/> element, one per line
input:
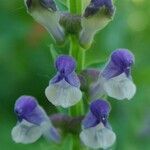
<point x="26" y="67"/>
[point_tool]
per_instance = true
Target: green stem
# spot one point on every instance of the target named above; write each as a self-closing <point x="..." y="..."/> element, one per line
<point x="81" y="59"/>
<point x="75" y="6"/>
<point x="79" y="54"/>
<point x="72" y="6"/>
<point x="73" y="47"/>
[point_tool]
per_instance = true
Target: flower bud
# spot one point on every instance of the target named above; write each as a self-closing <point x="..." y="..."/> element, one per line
<point x="45" y="12"/>
<point x="96" y="16"/>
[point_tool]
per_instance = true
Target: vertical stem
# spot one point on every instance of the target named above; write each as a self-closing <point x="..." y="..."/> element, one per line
<point x="73" y="47"/>
<point x="79" y="54"/>
<point x="81" y="58"/>
<point x="72" y="6"/>
<point x="75" y="6"/>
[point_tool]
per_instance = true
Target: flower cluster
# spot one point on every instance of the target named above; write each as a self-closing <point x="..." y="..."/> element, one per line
<point x="71" y="86"/>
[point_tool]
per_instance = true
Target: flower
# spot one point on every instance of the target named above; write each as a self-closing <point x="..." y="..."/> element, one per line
<point x="115" y="79"/>
<point x="97" y="132"/>
<point x="96" y="16"/>
<point x="45" y="12"/>
<point x="64" y="88"/>
<point x="33" y="122"/>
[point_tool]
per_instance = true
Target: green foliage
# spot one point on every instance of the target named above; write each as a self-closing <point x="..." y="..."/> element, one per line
<point x="26" y="66"/>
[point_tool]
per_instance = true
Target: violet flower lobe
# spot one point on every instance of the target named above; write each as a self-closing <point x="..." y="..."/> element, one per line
<point x="64" y="88"/>
<point x="33" y="122"/>
<point x="97" y="132"/>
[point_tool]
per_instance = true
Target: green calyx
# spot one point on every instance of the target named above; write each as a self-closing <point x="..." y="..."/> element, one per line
<point x="71" y="23"/>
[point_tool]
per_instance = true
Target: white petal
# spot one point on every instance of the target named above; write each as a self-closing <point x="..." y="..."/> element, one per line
<point x="120" y="87"/>
<point x="98" y="137"/>
<point x="49" y="132"/>
<point x="94" y="23"/>
<point x="26" y="133"/>
<point x="63" y="94"/>
<point x="50" y="20"/>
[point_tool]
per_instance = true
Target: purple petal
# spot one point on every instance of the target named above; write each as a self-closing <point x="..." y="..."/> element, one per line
<point x="120" y="62"/>
<point x="123" y="57"/>
<point x="24" y="105"/>
<point x="90" y="121"/>
<point x="27" y="108"/>
<point x="73" y="79"/>
<point x="111" y="70"/>
<point x="37" y="116"/>
<point x="58" y="77"/>
<point x="100" y="108"/>
<point x="96" y="5"/>
<point x="54" y="134"/>
<point x="65" y="65"/>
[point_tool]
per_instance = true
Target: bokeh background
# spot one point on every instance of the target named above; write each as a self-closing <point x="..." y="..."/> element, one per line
<point x="26" y="67"/>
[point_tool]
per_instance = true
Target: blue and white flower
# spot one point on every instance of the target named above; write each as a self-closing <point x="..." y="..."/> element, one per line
<point x="33" y="122"/>
<point x="45" y="12"/>
<point x="96" y="16"/>
<point x="64" y="88"/>
<point x="115" y="79"/>
<point x="97" y="132"/>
